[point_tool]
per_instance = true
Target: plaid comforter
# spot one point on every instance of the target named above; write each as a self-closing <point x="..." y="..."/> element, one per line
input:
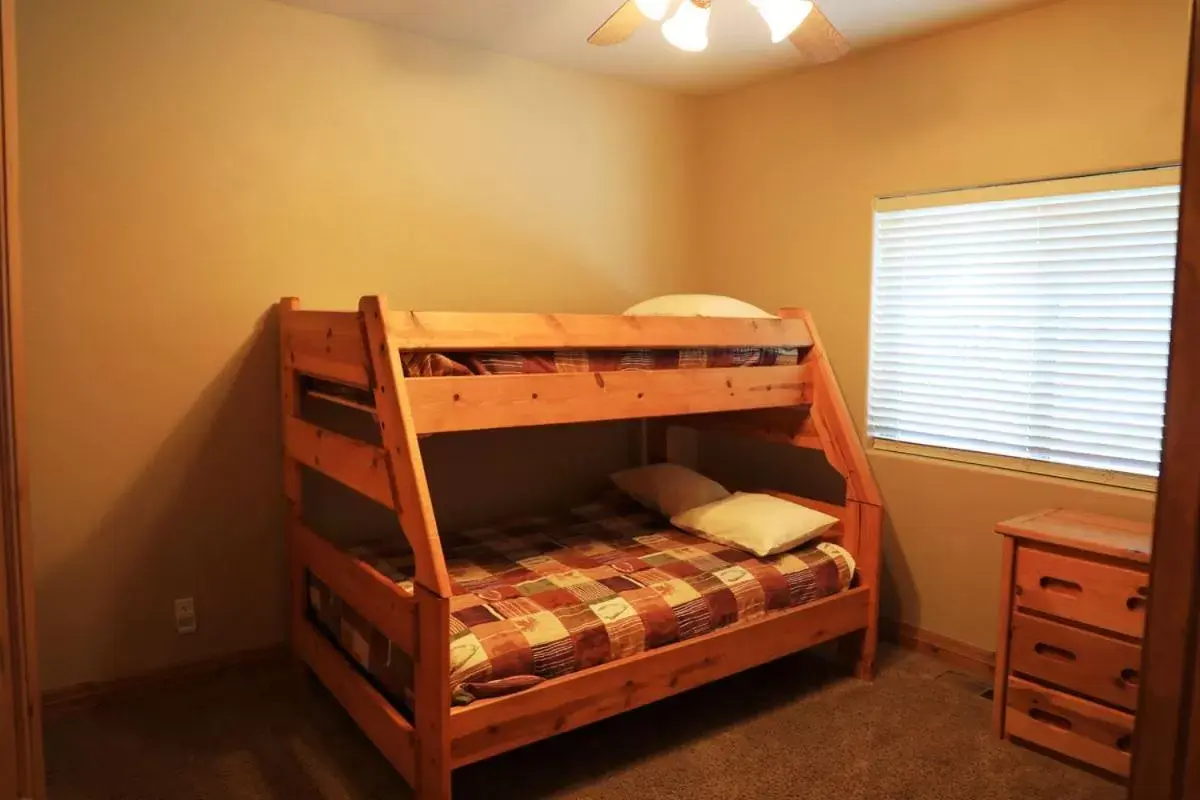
<point x="547" y="596"/>
<point x="428" y="365"/>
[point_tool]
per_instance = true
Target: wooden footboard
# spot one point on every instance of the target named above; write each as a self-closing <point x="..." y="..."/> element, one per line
<point x="488" y="727"/>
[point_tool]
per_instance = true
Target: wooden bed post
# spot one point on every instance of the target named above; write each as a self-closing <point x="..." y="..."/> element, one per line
<point x="844" y="451"/>
<point x="414" y="509"/>
<point x="405" y="466"/>
<point x="291" y="479"/>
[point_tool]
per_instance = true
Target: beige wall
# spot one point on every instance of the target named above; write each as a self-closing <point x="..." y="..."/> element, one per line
<point x="186" y="163"/>
<point x="790" y="168"/>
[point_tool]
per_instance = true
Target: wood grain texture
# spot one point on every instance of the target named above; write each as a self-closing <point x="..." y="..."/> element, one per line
<point x="358" y="465"/>
<point x="488" y="727"/>
<point x="341" y="342"/>
<point x="441" y="405"/>
<point x="292" y="481"/>
<point x="406" y="469"/>
<point x="22" y="762"/>
<point x="1167" y="764"/>
<point x="1094" y="533"/>
<point x="869" y="554"/>
<point x="387" y="729"/>
<point x="1071" y="587"/>
<point x="790" y="425"/>
<point x="372" y="595"/>
<point x="1089" y="732"/>
<point x="325" y="344"/>
<point x="842" y="444"/>
<point x="431" y="685"/>
<point x="338" y="400"/>
<point x="1008" y="577"/>
<point x="818" y="40"/>
<point x="452" y="330"/>
<point x="619" y="26"/>
<point x="330" y="370"/>
<point x="1079" y="660"/>
<point x="289" y="400"/>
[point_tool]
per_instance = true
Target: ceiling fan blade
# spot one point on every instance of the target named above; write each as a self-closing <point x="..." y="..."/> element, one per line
<point x="620" y="26"/>
<point x="818" y="40"/>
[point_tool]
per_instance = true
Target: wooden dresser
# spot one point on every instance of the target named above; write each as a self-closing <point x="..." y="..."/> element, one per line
<point x="1073" y="610"/>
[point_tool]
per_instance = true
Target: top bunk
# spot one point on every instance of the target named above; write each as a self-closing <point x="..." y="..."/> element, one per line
<point x="462" y="371"/>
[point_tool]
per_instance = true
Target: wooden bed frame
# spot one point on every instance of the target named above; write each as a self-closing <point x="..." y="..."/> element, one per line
<point x="799" y="404"/>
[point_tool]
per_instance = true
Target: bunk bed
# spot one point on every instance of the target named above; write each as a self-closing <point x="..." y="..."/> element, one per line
<point x="419" y="374"/>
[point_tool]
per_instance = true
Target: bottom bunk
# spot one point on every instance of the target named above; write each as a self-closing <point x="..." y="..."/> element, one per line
<point x="561" y="620"/>
<point x="541" y="597"/>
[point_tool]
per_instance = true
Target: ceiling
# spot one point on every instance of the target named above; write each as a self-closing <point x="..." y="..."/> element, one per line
<point x="556" y="31"/>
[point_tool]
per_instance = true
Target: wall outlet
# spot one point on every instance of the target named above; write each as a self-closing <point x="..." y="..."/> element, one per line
<point x="185" y="615"/>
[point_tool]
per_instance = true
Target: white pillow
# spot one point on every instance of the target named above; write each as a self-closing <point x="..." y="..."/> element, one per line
<point x="668" y="488"/>
<point x="758" y="523"/>
<point x="696" y="305"/>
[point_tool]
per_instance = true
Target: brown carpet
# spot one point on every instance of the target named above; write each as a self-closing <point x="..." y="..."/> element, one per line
<point x="792" y="729"/>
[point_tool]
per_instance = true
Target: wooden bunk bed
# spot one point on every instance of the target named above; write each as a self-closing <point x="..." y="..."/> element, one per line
<point x="358" y="353"/>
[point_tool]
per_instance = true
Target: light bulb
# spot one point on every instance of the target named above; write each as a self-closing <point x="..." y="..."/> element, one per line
<point x="783" y="16"/>
<point x="653" y="9"/>
<point x="688" y="29"/>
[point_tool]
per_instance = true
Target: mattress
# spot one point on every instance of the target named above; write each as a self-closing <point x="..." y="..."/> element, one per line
<point x="426" y="365"/>
<point x="541" y="597"/>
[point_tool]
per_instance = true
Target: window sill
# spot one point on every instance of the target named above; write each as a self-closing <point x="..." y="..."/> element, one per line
<point x="1139" y="483"/>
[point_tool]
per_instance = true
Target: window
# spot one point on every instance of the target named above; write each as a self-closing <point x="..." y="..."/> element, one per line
<point x="1027" y="326"/>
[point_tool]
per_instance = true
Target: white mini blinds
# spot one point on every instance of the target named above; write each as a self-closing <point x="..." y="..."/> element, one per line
<point x="1028" y="322"/>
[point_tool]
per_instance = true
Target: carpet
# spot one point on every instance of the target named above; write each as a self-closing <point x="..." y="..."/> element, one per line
<point x="795" y="728"/>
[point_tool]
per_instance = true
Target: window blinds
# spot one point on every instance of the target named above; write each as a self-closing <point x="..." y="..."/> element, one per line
<point x="1034" y="326"/>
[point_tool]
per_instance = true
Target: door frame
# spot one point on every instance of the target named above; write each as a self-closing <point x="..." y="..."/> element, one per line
<point x="22" y="766"/>
<point x="1166" y="759"/>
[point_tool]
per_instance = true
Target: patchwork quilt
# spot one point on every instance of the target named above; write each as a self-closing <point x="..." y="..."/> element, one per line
<point x="426" y="365"/>
<point x="545" y="596"/>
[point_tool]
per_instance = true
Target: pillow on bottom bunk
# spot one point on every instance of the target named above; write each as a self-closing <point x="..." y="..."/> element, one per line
<point x="757" y="523"/>
<point x="668" y="488"/>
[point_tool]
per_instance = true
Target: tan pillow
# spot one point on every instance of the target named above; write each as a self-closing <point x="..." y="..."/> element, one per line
<point x="668" y="488"/>
<point x="758" y="523"/>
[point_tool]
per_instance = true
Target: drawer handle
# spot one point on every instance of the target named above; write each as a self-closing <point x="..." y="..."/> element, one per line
<point x="1059" y="585"/>
<point x="1130" y="675"/>
<point x="1136" y="603"/>
<point x="1125" y="743"/>
<point x="1053" y="652"/>
<point x="1054" y="720"/>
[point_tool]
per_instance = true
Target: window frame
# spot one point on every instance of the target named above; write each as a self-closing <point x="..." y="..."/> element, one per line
<point x="1135" y="178"/>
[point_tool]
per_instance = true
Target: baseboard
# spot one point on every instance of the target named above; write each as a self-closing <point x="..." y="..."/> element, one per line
<point x="961" y="655"/>
<point x="86" y="694"/>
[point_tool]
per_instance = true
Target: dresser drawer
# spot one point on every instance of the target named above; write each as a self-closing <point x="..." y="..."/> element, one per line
<point x="1095" y="734"/>
<point x="1079" y="660"/>
<point x="1092" y="592"/>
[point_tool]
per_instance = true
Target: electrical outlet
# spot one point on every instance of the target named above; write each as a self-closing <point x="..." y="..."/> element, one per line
<point x="185" y="615"/>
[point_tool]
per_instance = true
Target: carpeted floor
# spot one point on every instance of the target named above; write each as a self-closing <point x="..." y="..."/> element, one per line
<point x="792" y="729"/>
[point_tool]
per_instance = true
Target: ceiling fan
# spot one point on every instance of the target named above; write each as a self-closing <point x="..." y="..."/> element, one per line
<point x="798" y="20"/>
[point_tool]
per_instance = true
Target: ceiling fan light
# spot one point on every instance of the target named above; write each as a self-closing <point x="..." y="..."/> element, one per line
<point x="688" y="28"/>
<point x="783" y="16"/>
<point x="653" y="9"/>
